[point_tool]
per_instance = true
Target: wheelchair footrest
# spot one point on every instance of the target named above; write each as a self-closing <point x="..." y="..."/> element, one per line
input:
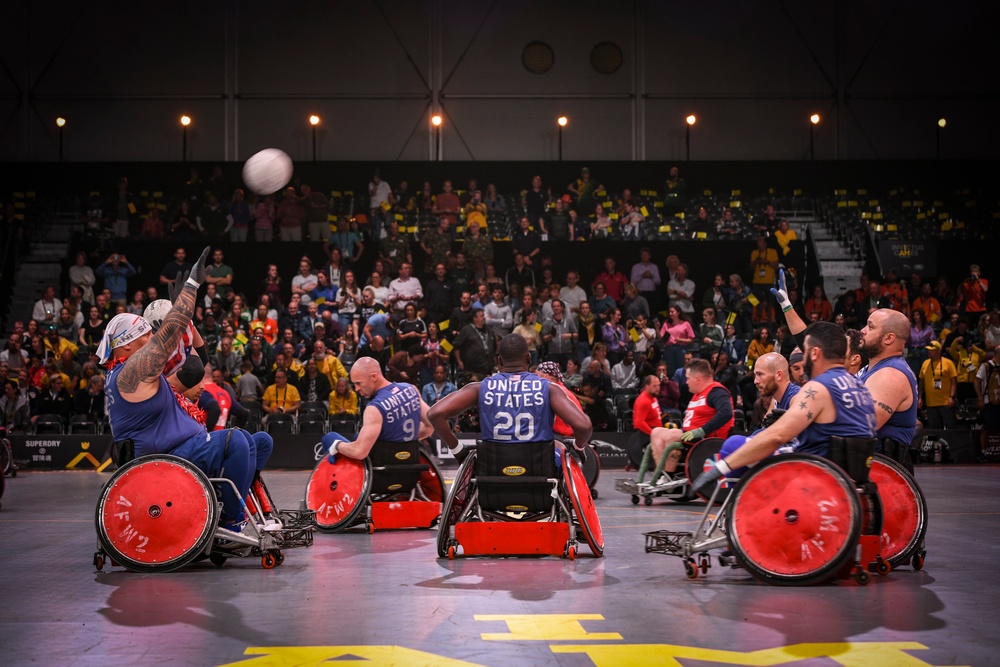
<point x="500" y="538"/>
<point x="297" y="518"/>
<point x="627" y="486"/>
<point x="667" y="542"/>
<point x="405" y="514"/>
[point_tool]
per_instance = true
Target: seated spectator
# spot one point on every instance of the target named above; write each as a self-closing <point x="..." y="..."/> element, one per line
<point x="819" y="304"/>
<point x="761" y="344"/>
<point x="601" y="303"/>
<point x="669" y="393"/>
<point x="727" y="225"/>
<point x="528" y="331"/>
<point x="623" y="374"/>
<point x="14" y="408"/>
<point x="600" y="228"/>
<point x="784" y="236"/>
<point x="263" y="321"/>
<point x="926" y="302"/>
<point x="54" y="399"/>
<point x="343" y="400"/>
<point x="438" y="387"/>
<point x="600" y="354"/>
<point x="314" y="385"/>
<point x="596" y="387"/>
<point x="710" y="334"/>
<point x="90" y="401"/>
<point x="848" y="307"/>
<point x="495" y="203"/>
<point x="412" y="331"/>
<point x="281" y="397"/>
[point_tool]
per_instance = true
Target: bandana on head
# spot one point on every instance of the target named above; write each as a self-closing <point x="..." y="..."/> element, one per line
<point x="121" y="330"/>
<point x="550" y="368"/>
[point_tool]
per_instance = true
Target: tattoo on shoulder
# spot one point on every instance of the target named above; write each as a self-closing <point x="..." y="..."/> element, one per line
<point x="809" y="415"/>
<point x="810" y="393"/>
<point x="884" y="407"/>
<point x="802" y="405"/>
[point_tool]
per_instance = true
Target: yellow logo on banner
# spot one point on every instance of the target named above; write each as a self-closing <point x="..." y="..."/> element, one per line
<point x="84" y="456"/>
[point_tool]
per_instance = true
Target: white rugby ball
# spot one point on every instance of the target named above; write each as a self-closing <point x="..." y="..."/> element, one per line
<point x="156" y="311"/>
<point x="268" y="171"/>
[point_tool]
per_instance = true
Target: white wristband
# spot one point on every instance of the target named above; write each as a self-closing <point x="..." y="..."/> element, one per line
<point x="193" y="283"/>
<point x="723" y="467"/>
<point x="335" y="448"/>
<point x="456" y="449"/>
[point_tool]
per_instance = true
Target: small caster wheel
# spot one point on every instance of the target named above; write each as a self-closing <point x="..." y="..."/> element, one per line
<point x="268" y="561"/>
<point x="917" y="562"/>
<point x="571" y="552"/>
<point x="704" y="563"/>
<point x="690" y="569"/>
<point x="370" y="527"/>
<point x="882" y="567"/>
<point x="452" y="552"/>
<point x="862" y="577"/>
<point x="648" y="501"/>
<point x="635" y="500"/>
<point x="99" y="561"/>
<point x="218" y="560"/>
<point x="593" y="494"/>
<point x="279" y="557"/>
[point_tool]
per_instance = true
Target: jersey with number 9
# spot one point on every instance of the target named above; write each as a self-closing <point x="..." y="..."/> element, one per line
<point x="399" y="404"/>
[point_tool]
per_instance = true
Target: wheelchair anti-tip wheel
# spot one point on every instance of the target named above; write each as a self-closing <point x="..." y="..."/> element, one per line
<point x="904" y="510"/>
<point x="156" y="514"/>
<point x="338" y="492"/>
<point x="795" y="520"/>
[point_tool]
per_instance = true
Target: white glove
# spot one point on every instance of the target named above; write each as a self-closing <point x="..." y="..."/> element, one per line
<point x="781" y="293"/>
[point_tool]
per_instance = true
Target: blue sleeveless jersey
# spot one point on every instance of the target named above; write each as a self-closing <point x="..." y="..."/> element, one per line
<point x="399" y="404"/>
<point x="514" y="407"/>
<point x="901" y="425"/>
<point x="786" y="400"/>
<point x="157" y="425"/>
<point x="855" y="413"/>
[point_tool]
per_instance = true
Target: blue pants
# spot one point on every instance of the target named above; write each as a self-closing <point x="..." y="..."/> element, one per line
<point x="217" y="458"/>
<point x="731" y="444"/>
<point x="261" y="445"/>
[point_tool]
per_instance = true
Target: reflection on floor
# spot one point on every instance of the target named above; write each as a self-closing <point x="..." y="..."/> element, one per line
<point x="387" y="600"/>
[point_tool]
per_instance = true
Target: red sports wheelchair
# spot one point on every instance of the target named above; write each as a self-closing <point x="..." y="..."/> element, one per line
<point x="159" y="513"/>
<point x="799" y="519"/>
<point x="397" y="485"/>
<point x="513" y="499"/>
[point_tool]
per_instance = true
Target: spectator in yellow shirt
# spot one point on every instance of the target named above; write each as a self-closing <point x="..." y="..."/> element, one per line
<point x="784" y="236"/>
<point x="343" y="399"/>
<point x="281" y="397"/>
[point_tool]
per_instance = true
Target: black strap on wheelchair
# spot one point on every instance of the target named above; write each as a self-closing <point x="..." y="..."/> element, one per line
<point x="122" y="451"/>
<point x="854" y="455"/>
<point x="898" y="451"/>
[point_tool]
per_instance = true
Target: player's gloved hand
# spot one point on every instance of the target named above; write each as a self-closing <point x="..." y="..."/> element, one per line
<point x="772" y="416"/>
<point x="695" y="434"/>
<point x="719" y="470"/>
<point x="575" y="453"/>
<point x="198" y="271"/>
<point x="174" y="288"/>
<point x="331" y="455"/>
<point x="781" y="293"/>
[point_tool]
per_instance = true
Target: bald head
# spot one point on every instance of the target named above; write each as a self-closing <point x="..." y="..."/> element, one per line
<point x="885" y="335"/>
<point x="366" y="374"/>
<point x="895" y="322"/>
<point x="772" y="362"/>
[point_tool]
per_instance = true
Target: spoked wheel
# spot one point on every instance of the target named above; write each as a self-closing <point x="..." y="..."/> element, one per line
<point x="904" y="510"/>
<point x="583" y="504"/>
<point x="156" y="514"/>
<point x="454" y="505"/>
<point x="795" y="520"/>
<point x="337" y="492"/>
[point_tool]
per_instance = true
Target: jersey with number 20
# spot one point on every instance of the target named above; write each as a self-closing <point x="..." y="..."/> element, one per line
<point x="514" y="407"/>
<point x="399" y="404"/>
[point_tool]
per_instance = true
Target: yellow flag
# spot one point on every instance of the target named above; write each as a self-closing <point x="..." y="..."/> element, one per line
<point x="443" y="326"/>
<point x="753" y="300"/>
<point x="131" y="208"/>
<point x="446" y="346"/>
<point x="634" y="334"/>
<point x="538" y="327"/>
<point x="731" y="318"/>
<point x="644" y="211"/>
<point x="385" y="206"/>
<point x="399" y="217"/>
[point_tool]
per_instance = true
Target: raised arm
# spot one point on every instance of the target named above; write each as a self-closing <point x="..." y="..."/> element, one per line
<point x="139" y="379"/>
<point x="795" y="323"/>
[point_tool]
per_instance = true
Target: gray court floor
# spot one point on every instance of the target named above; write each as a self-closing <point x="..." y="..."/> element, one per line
<point x="385" y="599"/>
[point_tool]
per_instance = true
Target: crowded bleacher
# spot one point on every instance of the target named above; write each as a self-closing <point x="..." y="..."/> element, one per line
<point x="426" y="279"/>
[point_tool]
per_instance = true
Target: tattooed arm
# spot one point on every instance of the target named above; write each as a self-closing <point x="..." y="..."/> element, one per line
<point x="139" y="378"/>
<point x="812" y="403"/>
<point x="890" y="392"/>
